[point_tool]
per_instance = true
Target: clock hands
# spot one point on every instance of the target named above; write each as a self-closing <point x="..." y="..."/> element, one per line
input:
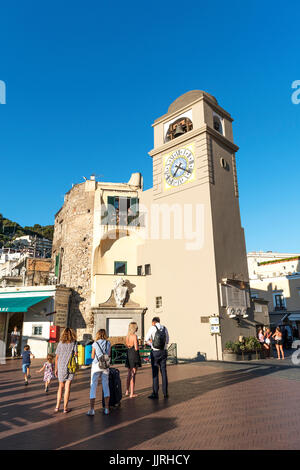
<point x="179" y="167"/>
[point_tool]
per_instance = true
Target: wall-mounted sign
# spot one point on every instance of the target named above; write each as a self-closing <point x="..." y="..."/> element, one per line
<point x="232" y="296"/>
<point x="214" y="320"/>
<point x="215" y="329"/>
<point x="62" y="307"/>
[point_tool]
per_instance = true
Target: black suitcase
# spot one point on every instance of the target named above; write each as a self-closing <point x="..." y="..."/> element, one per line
<point x="115" y="388"/>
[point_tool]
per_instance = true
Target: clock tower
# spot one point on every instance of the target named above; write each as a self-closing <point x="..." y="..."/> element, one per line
<point x="194" y="170"/>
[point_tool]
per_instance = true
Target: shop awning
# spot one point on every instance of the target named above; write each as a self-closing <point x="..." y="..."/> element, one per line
<point x="21" y="304"/>
<point x="294" y="317"/>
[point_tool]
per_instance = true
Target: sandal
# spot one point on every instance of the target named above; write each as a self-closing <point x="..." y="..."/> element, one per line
<point x="56" y="410"/>
<point x="67" y="410"/>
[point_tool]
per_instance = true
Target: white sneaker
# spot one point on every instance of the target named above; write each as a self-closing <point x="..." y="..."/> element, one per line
<point x="91" y="413"/>
<point x="106" y="411"/>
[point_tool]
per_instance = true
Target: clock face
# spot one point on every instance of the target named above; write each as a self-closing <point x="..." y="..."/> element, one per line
<point x="179" y="167"/>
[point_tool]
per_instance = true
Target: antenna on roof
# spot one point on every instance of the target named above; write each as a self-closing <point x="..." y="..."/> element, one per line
<point x="93" y="176"/>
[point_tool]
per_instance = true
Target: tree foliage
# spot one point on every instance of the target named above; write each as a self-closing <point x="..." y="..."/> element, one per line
<point x="10" y="230"/>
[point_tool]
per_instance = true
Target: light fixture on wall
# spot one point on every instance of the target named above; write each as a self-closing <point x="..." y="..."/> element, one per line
<point x="244" y="312"/>
<point x="231" y="312"/>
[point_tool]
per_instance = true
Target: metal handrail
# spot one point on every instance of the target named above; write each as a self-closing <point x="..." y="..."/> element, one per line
<point x="119" y="354"/>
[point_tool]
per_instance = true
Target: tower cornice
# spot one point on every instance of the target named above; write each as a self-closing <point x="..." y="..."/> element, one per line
<point x="191" y="135"/>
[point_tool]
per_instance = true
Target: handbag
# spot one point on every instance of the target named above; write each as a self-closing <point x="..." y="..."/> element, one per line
<point x="104" y="360"/>
<point x="73" y="365"/>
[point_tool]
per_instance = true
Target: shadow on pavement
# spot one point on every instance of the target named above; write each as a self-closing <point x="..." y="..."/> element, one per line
<point x="95" y="433"/>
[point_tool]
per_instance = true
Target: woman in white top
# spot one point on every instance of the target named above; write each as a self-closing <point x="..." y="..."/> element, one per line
<point x="264" y="345"/>
<point x="100" y="347"/>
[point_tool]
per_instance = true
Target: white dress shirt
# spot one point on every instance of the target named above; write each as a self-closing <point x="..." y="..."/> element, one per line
<point x="151" y="333"/>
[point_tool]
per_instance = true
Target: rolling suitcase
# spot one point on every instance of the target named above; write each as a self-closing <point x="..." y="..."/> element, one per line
<point x="115" y="388"/>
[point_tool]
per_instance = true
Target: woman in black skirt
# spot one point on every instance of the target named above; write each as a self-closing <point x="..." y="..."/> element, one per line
<point x="133" y="360"/>
<point x="278" y="342"/>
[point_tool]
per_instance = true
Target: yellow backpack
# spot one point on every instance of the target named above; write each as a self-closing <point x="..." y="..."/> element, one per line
<point x="73" y="362"/>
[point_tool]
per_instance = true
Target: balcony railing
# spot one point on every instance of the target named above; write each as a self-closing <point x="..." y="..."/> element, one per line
<point x="123" y="219"/>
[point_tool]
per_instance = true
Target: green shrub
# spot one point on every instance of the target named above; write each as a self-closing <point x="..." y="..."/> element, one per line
<point x="230" y="346"/>
<point x="252" y="344"/>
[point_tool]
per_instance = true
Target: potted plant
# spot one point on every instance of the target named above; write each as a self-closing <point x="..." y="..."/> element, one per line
<point x="253" y="346"/>
<point x="231" y="351"/>
<point x="244" y="351"/>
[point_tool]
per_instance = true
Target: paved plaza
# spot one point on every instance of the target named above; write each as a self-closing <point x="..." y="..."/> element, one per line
<point x="212" y="405"/>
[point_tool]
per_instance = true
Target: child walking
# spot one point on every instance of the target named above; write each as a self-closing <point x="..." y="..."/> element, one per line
<point x="26" y="356"/>
<point x="48" y="368"/>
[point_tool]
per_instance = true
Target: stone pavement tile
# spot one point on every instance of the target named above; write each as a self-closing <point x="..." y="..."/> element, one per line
<point x="211" y="406"/>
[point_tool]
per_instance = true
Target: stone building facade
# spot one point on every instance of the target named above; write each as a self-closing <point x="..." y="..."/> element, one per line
<point x="275" y="277"/>
<point x="72" y="252"/>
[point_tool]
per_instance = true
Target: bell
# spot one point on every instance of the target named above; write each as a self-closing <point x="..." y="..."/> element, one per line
<point x="178" y="131"/>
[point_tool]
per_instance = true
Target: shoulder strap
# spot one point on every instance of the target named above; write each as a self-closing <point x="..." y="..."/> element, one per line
<point x="74" y="345"/>
<point x="157" y="330"/>
<point x="160" y="331"/>
<point x="101" y="348"/>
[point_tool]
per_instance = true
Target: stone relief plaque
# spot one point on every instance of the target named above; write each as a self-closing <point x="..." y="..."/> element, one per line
<point x="232" y="296"/>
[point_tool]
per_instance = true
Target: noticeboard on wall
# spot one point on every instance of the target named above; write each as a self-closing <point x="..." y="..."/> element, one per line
<point x="232" y="296"/>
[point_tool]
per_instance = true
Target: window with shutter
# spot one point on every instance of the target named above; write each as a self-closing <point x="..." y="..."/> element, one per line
<point x="133" y="212"/>
<point x="123" y="210"/>
<point x="57" y="261"/>
<point x="111" y="211"/>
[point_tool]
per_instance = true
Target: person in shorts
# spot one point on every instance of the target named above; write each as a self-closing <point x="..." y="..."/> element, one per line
<point x="26" y="362"/>
<point x="278" y="342"/>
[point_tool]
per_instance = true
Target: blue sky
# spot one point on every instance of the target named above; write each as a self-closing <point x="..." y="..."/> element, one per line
<point x="85" y="80"/>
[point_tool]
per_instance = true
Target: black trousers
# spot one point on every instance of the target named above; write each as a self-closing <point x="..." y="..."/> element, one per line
<point x="159" y="361"/>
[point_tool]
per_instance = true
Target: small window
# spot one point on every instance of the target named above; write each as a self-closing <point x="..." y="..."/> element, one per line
<point x="279" y="301"/>
<point x="218" y="126"/>
<point x="158" y="302"/>
<point x="140" y="270"/>
<point x="57" y="263"/>
<point x="37" y="330"/>
<point x="120" y="267"/>
<point x="147" y="269"/>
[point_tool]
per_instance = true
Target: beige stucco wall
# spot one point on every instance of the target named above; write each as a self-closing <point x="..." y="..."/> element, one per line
<point x="290" y="288"/>
<point x="104" y="283"/>
<point x="186" y="280"/>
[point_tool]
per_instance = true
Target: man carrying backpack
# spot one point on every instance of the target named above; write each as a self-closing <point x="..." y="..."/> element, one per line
<point x="158" y="338"/>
